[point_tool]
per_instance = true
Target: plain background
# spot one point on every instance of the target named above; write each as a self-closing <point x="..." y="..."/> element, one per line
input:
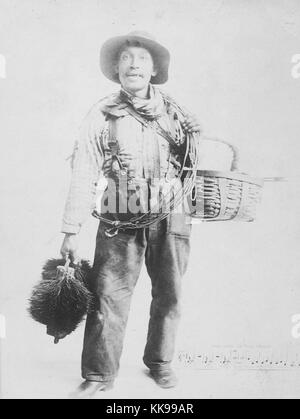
<point x="231" y="65"/>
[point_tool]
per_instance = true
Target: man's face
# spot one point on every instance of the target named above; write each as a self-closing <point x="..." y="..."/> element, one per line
<point x="135" y="68"/>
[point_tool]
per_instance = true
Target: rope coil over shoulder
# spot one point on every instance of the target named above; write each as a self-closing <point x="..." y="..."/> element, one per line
<point x="188" y="170"/>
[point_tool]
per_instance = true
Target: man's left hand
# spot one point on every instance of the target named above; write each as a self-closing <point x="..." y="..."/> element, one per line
<point x="191" y="124"/>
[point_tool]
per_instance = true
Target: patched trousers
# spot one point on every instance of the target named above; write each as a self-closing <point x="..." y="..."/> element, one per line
<point x="118" y="261"/>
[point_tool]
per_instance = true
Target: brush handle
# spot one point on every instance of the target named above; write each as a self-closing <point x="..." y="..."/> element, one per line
<point x="275" y="179"/>
<point x="68" y="261"/>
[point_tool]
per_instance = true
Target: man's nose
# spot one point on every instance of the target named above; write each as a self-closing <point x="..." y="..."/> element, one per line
<point x="134" y="62"/>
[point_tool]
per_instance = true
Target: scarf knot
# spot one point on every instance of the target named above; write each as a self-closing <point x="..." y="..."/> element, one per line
<point x="151" y="108"/>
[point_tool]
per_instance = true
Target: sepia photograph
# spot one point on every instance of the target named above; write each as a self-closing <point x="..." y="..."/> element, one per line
<point x="150" y="183"/>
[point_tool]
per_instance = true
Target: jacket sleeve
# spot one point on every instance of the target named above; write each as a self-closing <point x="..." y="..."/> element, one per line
<point x="87" y="162"/>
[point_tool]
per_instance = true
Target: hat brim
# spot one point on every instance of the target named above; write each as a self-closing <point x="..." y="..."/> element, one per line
<point x="111" y="48"/>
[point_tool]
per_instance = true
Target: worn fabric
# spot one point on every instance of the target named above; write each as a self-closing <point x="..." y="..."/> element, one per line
<point x="117" y="265"/>
<point x="142" y="150"/>
<point x="151" y="108"/>
<point x="113" y="142"/>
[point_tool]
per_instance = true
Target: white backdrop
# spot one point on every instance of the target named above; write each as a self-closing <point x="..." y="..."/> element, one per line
<point x="231" y="65"/>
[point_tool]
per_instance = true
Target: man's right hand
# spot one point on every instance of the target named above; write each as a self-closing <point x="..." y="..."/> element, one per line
<point x="69" y="247"/>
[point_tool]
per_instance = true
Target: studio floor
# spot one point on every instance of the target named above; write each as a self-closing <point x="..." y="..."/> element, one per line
<point x="34" y="368"/>
<point x="241" y="289"/>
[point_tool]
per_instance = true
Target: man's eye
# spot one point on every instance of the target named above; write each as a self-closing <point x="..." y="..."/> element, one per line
<point x="125" y="57"/>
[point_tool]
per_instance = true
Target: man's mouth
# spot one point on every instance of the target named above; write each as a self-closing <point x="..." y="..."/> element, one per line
<point x="134" y="76"/>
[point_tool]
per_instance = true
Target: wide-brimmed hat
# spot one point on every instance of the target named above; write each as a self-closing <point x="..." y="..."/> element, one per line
<point x="111" y="48"/>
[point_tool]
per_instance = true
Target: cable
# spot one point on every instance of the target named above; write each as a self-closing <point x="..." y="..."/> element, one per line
<point x="170" y="200"/>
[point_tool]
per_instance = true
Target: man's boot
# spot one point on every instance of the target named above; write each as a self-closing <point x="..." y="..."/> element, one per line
<point x="164" y="379"/>
<point x="89" y="389"/>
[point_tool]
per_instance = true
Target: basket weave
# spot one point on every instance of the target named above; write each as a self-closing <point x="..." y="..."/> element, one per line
<point x="223" y="196"/>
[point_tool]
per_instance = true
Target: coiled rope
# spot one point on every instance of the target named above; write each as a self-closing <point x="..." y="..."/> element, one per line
<point x="168" y="200"/>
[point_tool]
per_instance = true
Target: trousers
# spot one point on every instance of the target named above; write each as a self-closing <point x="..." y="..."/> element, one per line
<point x="165" y="248"/>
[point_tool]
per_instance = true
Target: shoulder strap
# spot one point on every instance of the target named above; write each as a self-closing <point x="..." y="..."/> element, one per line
<point x="156" y="126"/>
<point x="113" y="143"/>
<point x="112" y="138"/>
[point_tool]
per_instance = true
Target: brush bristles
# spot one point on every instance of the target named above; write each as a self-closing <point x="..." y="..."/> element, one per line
<point x="62" y="299"/>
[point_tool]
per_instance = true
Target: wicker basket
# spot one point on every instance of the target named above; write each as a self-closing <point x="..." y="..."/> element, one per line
<point x="223" y="196"/>
<point x="221" y="193"/>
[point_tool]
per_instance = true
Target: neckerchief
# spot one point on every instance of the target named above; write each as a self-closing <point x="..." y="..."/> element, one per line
<point x="151" y="108"/>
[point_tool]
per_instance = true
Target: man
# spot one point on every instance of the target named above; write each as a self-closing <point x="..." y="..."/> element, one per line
<point x="119" y="138"/>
